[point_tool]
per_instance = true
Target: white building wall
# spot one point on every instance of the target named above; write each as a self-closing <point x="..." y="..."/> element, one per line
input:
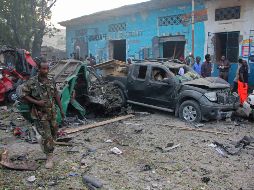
<point x="244" y="24"/>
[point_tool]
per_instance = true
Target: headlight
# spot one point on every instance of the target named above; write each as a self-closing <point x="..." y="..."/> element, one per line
<point x="211" y="96"/>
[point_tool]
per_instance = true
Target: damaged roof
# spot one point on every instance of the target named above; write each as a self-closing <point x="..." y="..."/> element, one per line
<point x="122" y="11"/>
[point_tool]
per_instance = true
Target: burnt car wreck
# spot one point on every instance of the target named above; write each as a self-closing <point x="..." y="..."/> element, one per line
<point x="81" y="90"/>
<point x="159" y="85"/>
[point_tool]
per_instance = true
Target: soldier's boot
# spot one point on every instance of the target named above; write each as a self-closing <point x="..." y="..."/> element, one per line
<point x="49" y="163"/>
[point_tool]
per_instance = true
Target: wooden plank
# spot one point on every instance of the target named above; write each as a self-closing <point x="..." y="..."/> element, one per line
<point x="193" y="129"/>
<point x="94" y="125"/>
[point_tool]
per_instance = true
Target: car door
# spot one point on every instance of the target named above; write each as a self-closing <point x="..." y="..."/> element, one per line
<point x="136" y="83"/>
<point x="160" y="91"/>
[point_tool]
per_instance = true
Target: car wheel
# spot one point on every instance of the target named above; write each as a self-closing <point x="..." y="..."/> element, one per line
<point x="12" y="96"/>
<point x="190" y="111"/>
<point x="121" y="96"/>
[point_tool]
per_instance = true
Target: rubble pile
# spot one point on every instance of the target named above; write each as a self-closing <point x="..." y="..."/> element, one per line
<point x="106" y="95"/>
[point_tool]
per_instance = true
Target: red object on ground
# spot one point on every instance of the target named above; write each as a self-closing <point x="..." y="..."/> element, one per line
<point x="5" y="85"/>
<point x="17" y="131"/>
<point x="242" y="91"/>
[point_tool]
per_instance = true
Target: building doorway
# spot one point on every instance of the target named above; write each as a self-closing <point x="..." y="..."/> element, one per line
<point x="173" y="49"/>
<point x="227" y="44"/>
<point x="117" y="50"/>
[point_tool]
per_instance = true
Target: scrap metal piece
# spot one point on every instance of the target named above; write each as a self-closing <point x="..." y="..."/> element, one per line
<point x="23" y="165"/>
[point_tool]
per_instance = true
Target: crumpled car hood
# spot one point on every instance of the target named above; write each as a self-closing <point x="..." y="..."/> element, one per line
<point x="209" y="82"/>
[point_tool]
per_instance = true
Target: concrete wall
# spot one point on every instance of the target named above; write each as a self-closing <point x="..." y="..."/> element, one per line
<point x="243" y="25"/>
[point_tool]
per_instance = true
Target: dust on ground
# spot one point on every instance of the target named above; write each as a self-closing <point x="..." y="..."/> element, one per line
<point x="143" y="164"/>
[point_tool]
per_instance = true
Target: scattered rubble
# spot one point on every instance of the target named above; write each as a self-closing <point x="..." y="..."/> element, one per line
<point x="31" y="179"/>
<point x="182" y="159"/>
<point x="91" y="181"/>
<point x="116" y="150"/>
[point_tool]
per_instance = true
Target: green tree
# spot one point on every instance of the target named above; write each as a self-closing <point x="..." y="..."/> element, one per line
<point x="23" y="23"/>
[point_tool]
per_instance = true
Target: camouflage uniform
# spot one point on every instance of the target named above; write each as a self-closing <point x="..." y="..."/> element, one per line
<point x="44" y="117"/>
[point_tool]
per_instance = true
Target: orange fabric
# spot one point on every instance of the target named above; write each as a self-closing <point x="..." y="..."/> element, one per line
<point x="242" y="91"/>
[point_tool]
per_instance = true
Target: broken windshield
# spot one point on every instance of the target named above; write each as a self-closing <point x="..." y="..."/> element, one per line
<point x="184" y="73"/>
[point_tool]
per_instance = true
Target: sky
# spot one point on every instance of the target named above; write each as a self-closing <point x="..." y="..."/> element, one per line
<point x="69" y="9"/>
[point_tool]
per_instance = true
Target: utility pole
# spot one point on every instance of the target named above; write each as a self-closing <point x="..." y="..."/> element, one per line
<point x="193" y="26"/>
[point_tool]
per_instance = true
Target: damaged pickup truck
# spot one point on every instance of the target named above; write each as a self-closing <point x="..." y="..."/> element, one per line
<point x="192" y="98"/>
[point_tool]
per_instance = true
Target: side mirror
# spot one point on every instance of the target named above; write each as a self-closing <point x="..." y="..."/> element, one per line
<point x="167" y="80"/>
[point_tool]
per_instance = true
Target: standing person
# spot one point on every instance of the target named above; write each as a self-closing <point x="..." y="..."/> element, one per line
<point x="129" y="61"/>
<point x="243" y="82"/>
<point x="40" y="91"/>
<point x="235" y="85"/>
<point x="197" y="65"/>
<point x="92" y="60"/>
<point x="224" y="67"/>
<point x="206" y="68"/>
<point x="190" y="60"/>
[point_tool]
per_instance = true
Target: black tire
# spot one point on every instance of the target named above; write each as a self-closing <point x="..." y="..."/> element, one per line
<point x="121" y="93"/>
<point x="190" y="111"/>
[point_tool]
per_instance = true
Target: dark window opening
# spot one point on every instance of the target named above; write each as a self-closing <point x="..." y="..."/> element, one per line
<point x="140" y="72"/>
<point x="118" y="49"/>
<point x="227" y="44"/>
<point x="228" y="13"/>
<point x="173" y="49"/>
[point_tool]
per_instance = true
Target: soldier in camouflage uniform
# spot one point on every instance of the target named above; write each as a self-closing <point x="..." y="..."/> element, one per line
<point x="41" y="92"/>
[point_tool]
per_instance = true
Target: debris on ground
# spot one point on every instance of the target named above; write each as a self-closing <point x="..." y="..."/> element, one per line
<point x="98" y="124"/>
<point x="199" y="125"/>
<point x="20" y="165"/>
<point x="205" y="179"/>
<point x="116" y="150"/>
<point x="232" y="150"/>
<point x="167" y="149"/>
<point x="31" y="179"/>
<point x="182" y="160"/>
<point x="94" y="182"/>
<point x="108" y="141"/>
<point x="193" y="129"/>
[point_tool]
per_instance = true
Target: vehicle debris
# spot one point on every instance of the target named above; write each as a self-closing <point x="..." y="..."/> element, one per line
<point x="83" y="91"/>
<point x="73" y="174"/>
<point x="137" y="131"/>
<point x="116" y="150"/>
<point x="205" y="179"/>
<point x="21" y="165"/>
<point x="236" y="150"/>
<point x="146" y="167"/>
<point x="31" y="179"/>
<point x="193" y="129"/>
<point x="98" y="124"/>
<point x="16" y="67"/>
<point x="167" y="149"/>
<point x="94" y="182"/>
<point x="199" y="125"/>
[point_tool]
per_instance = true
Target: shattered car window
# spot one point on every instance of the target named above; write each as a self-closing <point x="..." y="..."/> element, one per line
<point x="185" y="73"/>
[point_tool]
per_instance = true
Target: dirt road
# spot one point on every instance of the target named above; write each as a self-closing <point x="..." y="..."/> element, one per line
<point x="154" y="157"/>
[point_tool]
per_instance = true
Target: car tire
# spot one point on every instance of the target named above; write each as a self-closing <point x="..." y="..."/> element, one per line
<point x="121" y="93"/>
<point x="190" y="111"/>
